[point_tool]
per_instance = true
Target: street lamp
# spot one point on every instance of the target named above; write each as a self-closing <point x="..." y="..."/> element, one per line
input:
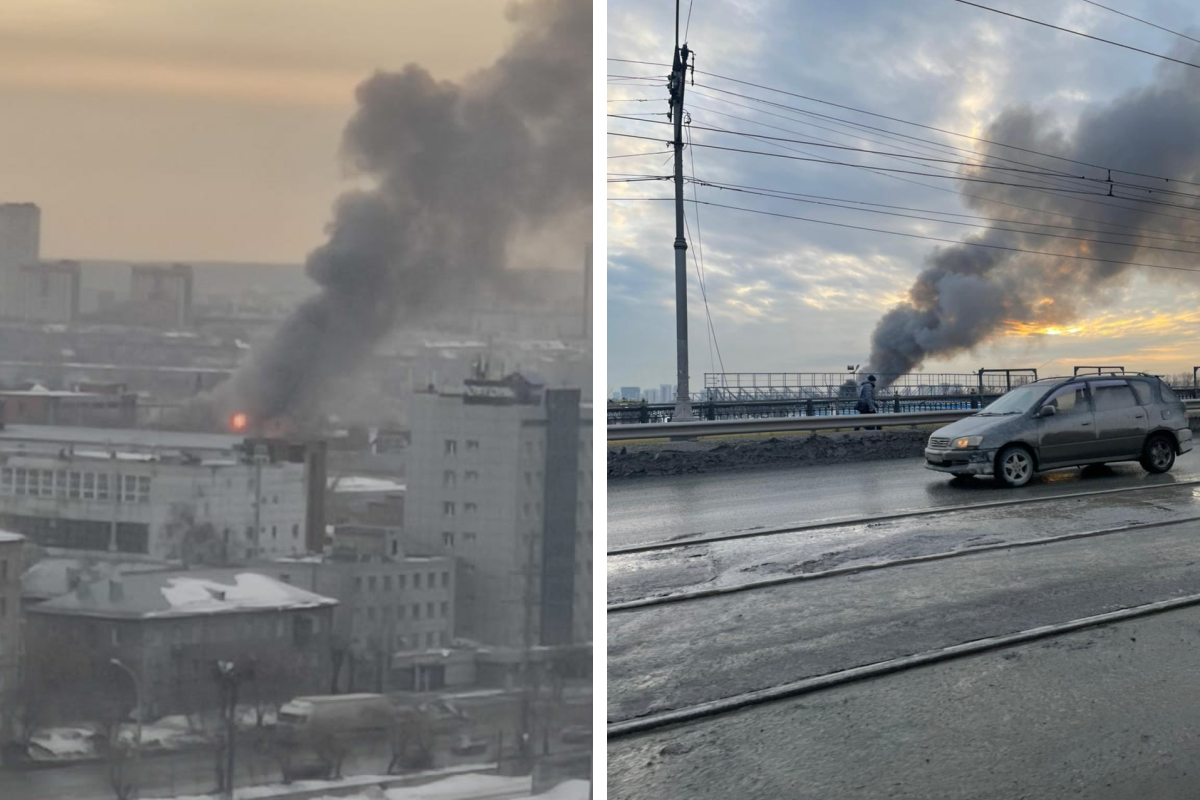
<point x="137" y="745"/>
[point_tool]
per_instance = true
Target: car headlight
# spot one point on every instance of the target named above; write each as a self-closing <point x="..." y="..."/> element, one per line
<point x="967" y="442"/>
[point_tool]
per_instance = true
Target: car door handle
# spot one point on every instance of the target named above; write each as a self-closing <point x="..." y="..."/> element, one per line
<point x="1085" y="424"/>
<point x="1139" y="416"/>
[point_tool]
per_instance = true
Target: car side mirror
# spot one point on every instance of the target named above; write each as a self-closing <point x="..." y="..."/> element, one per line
<point x="1047" y="411"/>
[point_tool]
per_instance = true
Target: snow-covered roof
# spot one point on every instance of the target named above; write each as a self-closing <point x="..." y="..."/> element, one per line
<point x="365" y="483"/>
<point x="181" y="594"/>
<point x="9" y="536"/>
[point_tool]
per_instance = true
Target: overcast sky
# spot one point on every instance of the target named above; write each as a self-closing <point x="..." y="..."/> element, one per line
<point x="203" y="129"/>
<point x="786" y="295"/>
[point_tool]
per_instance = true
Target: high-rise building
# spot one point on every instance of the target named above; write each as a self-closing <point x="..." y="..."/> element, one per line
<point x="161" y="296"/>
<point x="666" y="393"/>
<point x="631" y="393"/>
<point x="20" y="246"/>
<point x="500" y="477"/>
<point x="49" y="292"/>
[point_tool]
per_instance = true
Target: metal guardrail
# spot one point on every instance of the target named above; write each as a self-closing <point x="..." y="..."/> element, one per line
<point x="734" y="427"/>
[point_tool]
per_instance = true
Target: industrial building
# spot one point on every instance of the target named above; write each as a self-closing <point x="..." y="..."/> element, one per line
<point x="185" y="497"/>
<point x="500" y="477"/>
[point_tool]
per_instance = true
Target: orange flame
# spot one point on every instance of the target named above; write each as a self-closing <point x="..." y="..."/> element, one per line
<point x="238" y="422"/>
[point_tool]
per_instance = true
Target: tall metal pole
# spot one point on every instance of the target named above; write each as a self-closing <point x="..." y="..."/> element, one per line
<point x="137" y="746"/>
<point x="683" y="398"/>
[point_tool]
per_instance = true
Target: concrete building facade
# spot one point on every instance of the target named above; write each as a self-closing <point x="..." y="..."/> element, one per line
<point x="193" y="498"/>
<point x="500" y="477"/>
<point x="48" y="292"/>
<point x="11" y="547"/>
<point x="386" y="606"/>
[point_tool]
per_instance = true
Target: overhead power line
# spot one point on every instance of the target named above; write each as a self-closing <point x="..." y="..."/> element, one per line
<point x="933" y="128"/>
<point x="860" y="166"/>
<point x="793" y="197"/>
<point x="1079" y="33"/>
<point x="1143" y="21"/>
<point x="919" y="236"/>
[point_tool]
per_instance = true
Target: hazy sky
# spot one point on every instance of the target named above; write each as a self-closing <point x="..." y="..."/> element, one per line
<point x="203" y="129"/>
<point x="790" y="296"/>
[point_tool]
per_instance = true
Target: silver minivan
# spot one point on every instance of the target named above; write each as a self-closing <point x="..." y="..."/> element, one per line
<point x="1066" y="422"/>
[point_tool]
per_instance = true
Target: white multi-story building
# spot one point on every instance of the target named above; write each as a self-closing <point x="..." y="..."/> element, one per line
<point x="20" y="245"/>
<point x="195" y="498"/>
<point x="500" y="477"/>
<point x="11" y="546"/>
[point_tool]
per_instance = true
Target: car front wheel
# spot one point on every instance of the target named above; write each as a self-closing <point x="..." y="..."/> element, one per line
<point x="1159" y="454"/>
<point x="1014" y="466"/>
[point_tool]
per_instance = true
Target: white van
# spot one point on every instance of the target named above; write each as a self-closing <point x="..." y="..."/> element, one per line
<point x="336" y="713"/>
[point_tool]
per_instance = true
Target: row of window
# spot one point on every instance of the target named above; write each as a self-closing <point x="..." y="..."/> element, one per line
<point x="432" y="611"/>
<point x="73" y="484"/>
<point x="449" y="537"/>
<point x="451" y="446"/>
<point x="79" y="534"/>
<point x="375" y="582"/>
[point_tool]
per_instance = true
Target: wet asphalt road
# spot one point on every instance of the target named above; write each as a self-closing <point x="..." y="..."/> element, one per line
<point x="656" y="509"/>
<point x="1092" y="714"/>
<point x="1102" y="714"/>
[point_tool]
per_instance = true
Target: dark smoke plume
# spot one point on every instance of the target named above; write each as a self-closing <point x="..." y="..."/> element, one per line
<point x="967" y="295"/>
<point x="455" y="174"/>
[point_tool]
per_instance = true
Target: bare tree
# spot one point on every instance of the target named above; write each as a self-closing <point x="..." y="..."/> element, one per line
<point x="411" y="737"/>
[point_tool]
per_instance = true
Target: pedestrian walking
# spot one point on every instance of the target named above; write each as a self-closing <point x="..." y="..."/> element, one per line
<point x="866" y="399"/>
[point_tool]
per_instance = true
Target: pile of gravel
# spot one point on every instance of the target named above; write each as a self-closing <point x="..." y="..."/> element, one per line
<point x="680" y="458"/>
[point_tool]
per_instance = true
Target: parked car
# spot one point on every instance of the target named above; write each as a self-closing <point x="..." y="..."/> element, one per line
<point x="1066" y="422"/>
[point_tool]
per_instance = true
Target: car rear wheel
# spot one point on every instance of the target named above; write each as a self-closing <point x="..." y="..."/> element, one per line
<point x="1159" y="454"/>
<point x="1014" y="466"/>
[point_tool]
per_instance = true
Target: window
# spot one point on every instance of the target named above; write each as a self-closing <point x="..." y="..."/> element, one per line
<point x="274" y="532"/>
<point x="451" y="447"/>
<point x="471" y="476"/>
<point x="1112" y="395"/>
<point x="416" y="610"/>
<point x="416" y="580"/>
<point x="1070" y="399"/>
<point x="429" y="610"/>
<point x="286" y="578"/>
<point x="448" y="538"/>
<point x="74" y="484"/>
<point x="432" y="580"/>
<point x="295" y="530"/>
<point x="445" y="609"/>
<point x="449" y="479"/>
<point x="387" y="583"/>
<point x="400" y="611"/>
<point x="1142" y="389"/>
<point x="470" y="508"/>
<point x="429" y="638"/>
<point x="400" y="579"/>
<point x="448" y="509"/>
<point x="6" y="480"/>
<point x="472" y="444"/>
<point x="529" y="479"/>
<point x="525" y="511"/>
<point x="102" y="486"/>
<point x="1168" y="396"/>
<point x="371" y="583"/>
<point x="445" y="579"/>
<point x="358" y="583"/>
<point x="469" y="536"/>
<point x="395" y="547"/>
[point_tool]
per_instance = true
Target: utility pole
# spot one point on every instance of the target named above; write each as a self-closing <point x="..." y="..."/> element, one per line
<point x="683" y="398"/>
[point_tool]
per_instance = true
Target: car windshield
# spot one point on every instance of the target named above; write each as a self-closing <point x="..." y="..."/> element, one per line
<point x="1018" y="401"/>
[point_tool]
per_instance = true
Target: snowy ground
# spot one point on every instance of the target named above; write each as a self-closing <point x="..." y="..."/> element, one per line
<point x="458" y="787"/>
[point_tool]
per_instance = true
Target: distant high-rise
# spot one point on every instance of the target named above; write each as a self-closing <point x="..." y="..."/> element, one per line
<point x="161" y="296"/>
<point x="666" y="393"/>
<point x="631" y="393"/>
<point x="20" y="247"/>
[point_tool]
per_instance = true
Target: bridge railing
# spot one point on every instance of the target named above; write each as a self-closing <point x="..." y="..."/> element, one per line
<point x="796" y="424"/>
